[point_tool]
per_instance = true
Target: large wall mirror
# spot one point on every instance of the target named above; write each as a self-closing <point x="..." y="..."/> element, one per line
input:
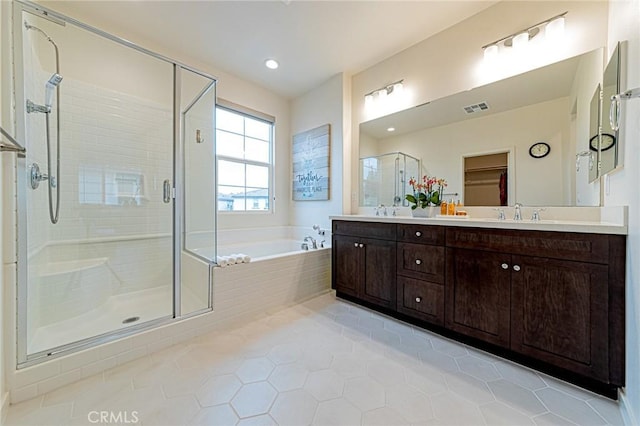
<point x="515" y="120"/>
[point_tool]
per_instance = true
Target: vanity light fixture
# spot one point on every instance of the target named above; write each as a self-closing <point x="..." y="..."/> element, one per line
<point x="272" y="64"/>
<point x="554" y="28"/>
<point x="395" y="89"/>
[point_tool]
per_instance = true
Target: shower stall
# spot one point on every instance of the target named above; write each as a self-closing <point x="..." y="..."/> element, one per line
<point x="384" y="179"/>
<point x="116" y="188"/>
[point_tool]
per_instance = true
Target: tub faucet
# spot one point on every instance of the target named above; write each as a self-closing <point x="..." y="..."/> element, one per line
<point x="314" y="243"/>
<point x="518" y="213"/>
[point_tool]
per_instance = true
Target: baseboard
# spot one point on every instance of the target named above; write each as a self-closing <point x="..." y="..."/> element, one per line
<point x="626" y="410"/>
<point x="4" y="408"/>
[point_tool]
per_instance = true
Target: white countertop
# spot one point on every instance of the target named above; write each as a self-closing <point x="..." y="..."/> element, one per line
<point x="616" y="223"/>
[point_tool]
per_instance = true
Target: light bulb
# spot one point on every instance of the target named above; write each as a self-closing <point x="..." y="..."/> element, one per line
<point x="521" y="40"/>
<point x="554" y="31"/>
<point x="398" y="89"/>
<point x="491" y="53"/>
<point x="382" y="95"/>
<point x="368" y="101"/>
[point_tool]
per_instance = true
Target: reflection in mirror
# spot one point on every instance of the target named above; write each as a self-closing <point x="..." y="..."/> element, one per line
<point x="594" y="133"/>
<point x="550" y="104"/>
<point x="610" y="153"/>
<point x="384" y="179"/>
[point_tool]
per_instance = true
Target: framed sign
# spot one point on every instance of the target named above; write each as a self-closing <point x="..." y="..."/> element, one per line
<point x="310" y="157"/>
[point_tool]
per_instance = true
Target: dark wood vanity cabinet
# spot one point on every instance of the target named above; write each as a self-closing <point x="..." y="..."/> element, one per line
<point x="364" y="262"/>
<point x="555" y="298"/>
<point x="551" y="296"/>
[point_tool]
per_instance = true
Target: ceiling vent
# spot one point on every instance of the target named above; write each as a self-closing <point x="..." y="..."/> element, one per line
<point x="482" y="106"/>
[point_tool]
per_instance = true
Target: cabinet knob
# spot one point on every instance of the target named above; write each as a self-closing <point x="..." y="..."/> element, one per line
<point x="418" y="234"/>
<point x="418" y="299"/>
<point x="361" y="245"/>
<point x="418" y="261"/>
<point x="355" y="244"/>
<point x="505" y="266"/>
<point x="516" y="268"/>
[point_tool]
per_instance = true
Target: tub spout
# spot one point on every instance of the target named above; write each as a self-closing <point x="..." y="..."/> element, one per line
<point x="314" y="243"/>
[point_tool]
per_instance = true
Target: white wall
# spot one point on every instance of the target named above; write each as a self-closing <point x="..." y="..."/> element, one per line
<point x="322" y="105"/>
<point x="449" y="62"/>
<point x="624" y="19"/>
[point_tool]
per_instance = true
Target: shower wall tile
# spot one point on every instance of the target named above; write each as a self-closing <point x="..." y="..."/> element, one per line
<point x="24" y="393"/>
<point x="73" y="361"/>
<point x="34" y="374"/>
<point x="58" y="381"/>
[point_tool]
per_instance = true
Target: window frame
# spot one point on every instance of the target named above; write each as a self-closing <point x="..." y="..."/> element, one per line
<point x="254" y="115"/>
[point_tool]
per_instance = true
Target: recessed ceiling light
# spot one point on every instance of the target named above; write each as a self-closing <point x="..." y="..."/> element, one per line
<point x="271" y="64"/>
<point x="391" y="129"/>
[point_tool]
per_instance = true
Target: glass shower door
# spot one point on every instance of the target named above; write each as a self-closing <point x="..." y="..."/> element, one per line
<point x="107" y="264"/>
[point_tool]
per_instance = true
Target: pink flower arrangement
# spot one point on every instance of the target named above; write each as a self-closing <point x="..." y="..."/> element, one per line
<point x="424" y="193"/>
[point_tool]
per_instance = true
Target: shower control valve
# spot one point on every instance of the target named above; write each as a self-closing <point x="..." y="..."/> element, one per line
<point x="36" y="176"/>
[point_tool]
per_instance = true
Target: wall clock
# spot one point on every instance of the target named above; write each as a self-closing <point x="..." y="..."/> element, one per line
<point x="608" y="141"/>
<point x="539" y="150"/>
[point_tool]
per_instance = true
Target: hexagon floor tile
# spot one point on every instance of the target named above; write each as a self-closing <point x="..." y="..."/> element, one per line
<point x="324" y="362"/>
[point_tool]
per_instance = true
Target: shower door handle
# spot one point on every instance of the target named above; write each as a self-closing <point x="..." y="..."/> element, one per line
<point x="166" y="193"/>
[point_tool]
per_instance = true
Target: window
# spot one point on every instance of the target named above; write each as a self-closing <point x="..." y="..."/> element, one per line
<point x="243" y="150"/>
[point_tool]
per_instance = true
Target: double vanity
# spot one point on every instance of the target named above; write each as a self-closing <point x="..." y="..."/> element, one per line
<point x="547" y="294"/>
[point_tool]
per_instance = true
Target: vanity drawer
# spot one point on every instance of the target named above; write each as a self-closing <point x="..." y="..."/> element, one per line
<point x="421" y="299"/>
<point x="421" y="261"/>
<point x="421" y="234"/>
<point x="556" y="245"/>
<point x="381" y="231"/>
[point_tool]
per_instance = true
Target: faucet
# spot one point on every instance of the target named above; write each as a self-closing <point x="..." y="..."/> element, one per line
<point x="501" y="215"/>
<point x="314" y="243"/>
<point x="518" y="213"/>
<point x="535" y="216"/>
<point x="384" y="210"/>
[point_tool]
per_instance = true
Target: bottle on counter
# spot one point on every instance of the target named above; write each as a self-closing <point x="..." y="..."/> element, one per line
<point x="451" y="208"/>
<point x="443" y="208"/>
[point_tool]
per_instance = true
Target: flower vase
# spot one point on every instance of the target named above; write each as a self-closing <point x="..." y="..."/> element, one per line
<point x="429" y="211"/>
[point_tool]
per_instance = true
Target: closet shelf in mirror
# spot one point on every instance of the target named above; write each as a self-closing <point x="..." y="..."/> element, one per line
<point x="485" y="169"/>
<point x="482" y="182"/>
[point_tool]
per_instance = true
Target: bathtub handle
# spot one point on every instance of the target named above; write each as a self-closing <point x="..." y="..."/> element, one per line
<point x="166" y="192"/>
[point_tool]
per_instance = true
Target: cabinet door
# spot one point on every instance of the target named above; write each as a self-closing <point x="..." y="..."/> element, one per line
<point x="347" y="264"/>
<point x="560" y="314"/>
<point x="379" y="280"/>
<point x="478" y="294"/>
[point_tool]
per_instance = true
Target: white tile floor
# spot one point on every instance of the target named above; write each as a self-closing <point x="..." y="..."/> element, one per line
<point x="325" y="362"/>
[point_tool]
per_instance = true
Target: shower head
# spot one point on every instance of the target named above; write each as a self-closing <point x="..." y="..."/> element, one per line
<point x="49" y="88"/>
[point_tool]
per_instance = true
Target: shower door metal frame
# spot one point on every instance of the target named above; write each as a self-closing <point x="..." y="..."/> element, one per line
<point x="23" y="359"/>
